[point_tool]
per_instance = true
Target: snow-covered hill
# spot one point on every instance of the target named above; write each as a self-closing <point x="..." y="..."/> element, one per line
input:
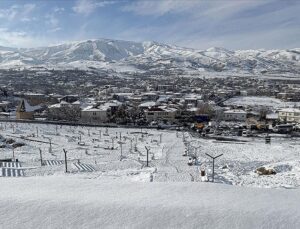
<point x="140" y="56"/>
<point x="69" y="202"/>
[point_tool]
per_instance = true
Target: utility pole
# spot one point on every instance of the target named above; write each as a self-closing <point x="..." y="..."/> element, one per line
<point x="66" y="160"/>
<point x="41" y="156"/>
<point x="213" y="158"/>
<point x="147" y="156"/>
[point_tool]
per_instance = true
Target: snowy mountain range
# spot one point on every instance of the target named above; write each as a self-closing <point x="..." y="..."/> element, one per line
<point x="124" y="56"/>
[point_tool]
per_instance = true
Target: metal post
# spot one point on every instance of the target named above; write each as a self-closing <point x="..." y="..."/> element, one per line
<point x="121" y="157"/>
<point x="213" y="158"/>
<point x="213" y="172"/>
<point x="160" y="138"/>
<point x="41" y="156"/>
<point x="147" y="156"/>
<point x="100" y="133"/>
<point x="66" y="160"/>
<point x="37" y="131"/>
<point x="50" y="149"/>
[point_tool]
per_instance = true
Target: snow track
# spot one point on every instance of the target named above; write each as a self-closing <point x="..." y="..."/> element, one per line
<point x="10" y="164"/>
<point x="11" y="169"/>
<point x="84" y="167"/>
<point x="10" y="172"/>
<point x="53" y="162"/>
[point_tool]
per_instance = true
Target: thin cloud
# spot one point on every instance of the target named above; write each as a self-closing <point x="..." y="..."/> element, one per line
<point x="20" y="39"/>
<point x="87" y="7"/>
<point x="18" y="12"/>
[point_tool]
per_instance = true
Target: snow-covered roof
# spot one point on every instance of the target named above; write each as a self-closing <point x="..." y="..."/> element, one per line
<point x="272" y="116"/>
<point x="290" y="110"/>
<point x="148" y="104"/>
<point x="235" y="112"/>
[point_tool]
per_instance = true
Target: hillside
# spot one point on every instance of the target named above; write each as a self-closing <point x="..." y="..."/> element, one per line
<point x="65" y="202"/>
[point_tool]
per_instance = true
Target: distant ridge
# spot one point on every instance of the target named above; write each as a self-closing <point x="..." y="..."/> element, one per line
<point x="124" y="56"/>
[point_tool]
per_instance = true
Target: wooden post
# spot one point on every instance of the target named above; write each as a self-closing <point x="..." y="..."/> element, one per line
<point x="41" y="157"/>
<point x="66" y="160"/>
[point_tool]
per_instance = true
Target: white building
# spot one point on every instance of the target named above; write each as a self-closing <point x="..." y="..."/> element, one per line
<point x="161" y="113"/>
<point x="289" y="115"/>
<point x="95" y="115"/>
<point x="235" y="115"/>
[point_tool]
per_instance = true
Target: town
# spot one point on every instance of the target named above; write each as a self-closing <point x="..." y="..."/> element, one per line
<point x="230" y="105"/>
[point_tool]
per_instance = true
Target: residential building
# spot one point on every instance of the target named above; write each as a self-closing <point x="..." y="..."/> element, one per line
<point x="289" y="115"/>
<point x="235" y="115"/>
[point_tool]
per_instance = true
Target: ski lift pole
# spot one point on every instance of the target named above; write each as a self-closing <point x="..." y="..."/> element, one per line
<point x="213" y="158"/>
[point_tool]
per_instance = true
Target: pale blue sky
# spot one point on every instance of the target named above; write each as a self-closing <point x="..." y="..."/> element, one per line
<point x="233" y="24"/>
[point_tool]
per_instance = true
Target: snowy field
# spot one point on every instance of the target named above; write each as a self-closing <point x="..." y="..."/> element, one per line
<point x="109" y="184"/>
<point x="95" y="153"/>
<point x="262" y="101"/>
